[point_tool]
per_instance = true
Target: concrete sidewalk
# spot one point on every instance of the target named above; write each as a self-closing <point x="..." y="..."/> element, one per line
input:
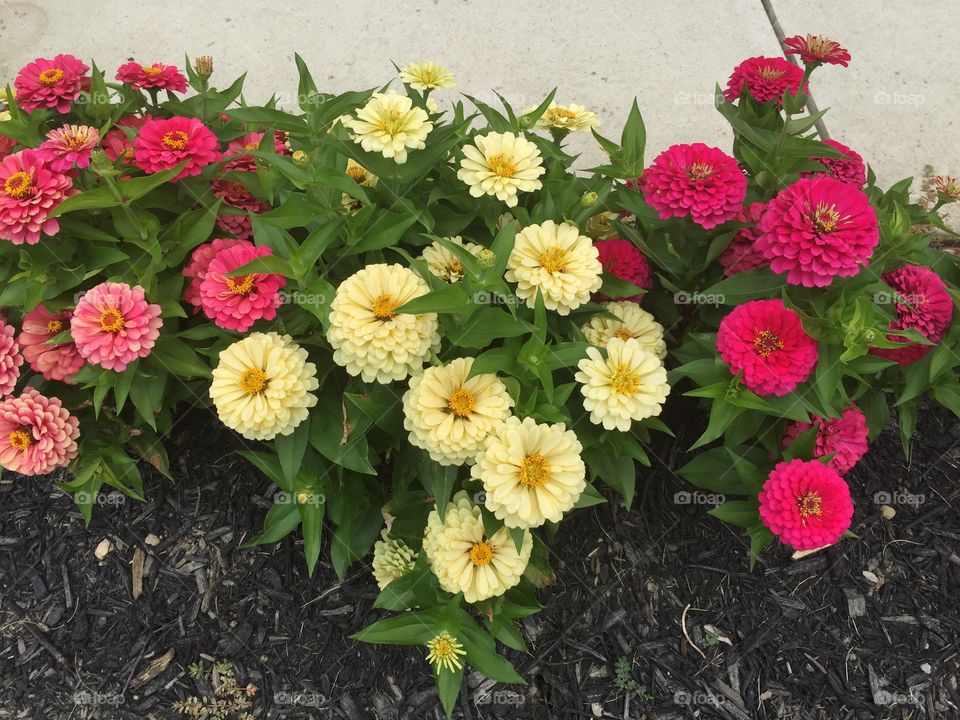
<point x="892" y="103"/>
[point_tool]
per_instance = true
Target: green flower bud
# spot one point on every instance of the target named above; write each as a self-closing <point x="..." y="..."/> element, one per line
<point x="588" y="199"/>
<point x="300" y="158"/>
<point x="486" y="258"/>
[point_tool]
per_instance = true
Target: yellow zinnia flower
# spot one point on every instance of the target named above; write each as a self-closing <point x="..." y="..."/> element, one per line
<point x="389" y="124"/>
<point x="426" y="76"/>
<point x="444" y="653"/>
<point x="568" y="118"/>
<point x="631" y="321"/>
<point x="392" y="559"/>
<point x="501" y="164"/>
<point x="444" y="263"/>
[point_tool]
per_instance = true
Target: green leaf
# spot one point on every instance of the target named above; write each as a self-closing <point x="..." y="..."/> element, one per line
<point x="450" y="299"/>
<point x="744" y="513"/>
<point x="291" y="448"/>
<point x="411" y="628"/>
<point x="281" y="520"/>
<point x="311" y="519"/>
<point x="750" y="285"/>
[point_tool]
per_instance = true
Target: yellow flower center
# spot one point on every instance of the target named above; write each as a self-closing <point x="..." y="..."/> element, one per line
<point x="128" y="155"/>
<point x="553" y="260"/>
<point x="534" y="471"/>
<point x="391" y="122"/>
<point x="19" y="440"/>
<point x="825" y="218"/>
<point x="111" y="320"/>
<point x="501" y="166"/>
<point x="809" y="504"/>
<point x="461" y="402"/>
<point x="240" y="285"/>
<point x="54" y="327"/>
<point x="765" y="342"/>
<point x="151" y="69"/>
<point x="49" y="78"/>
<point x="623" y="333"/>
<point x="481" y="553"/>
<point x="699" y="171"/>
<point x="454" y="269"/>
<point x="253" y="381"/>
<point x="384" y="306"/>
<point x="252" y="146"/>
<point x="624" y="380"/>
<point x="18" y="185"/>
<point x="769" y="73"/>
<point x="238" y="187"/>
<point x="358" y="174"/>
<point x="175" y="140"/>
<point x="75" y="142"/>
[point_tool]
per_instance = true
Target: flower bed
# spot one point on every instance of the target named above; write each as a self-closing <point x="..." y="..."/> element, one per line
<point x="437" y="337"/>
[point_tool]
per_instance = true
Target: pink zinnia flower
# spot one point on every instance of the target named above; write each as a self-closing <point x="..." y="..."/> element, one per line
<point x="163" y="144"/>
<point x="54" y="362"/>
<point x="696" y="180"/>
<point x="766" y="342"/>
<point x="10" y="359"/>
<point x="237" y="150"/>
<point x="818" y="229"/>
<point x="152" y="77"/>
<point x="623" y="259"/>
<point x="844" y="437"/>
<point x="37" y="434"/>
<point x="767" y="78"/>
<point x="68" y="146"/>
<point x="741" y="254"/>
<point x="50" y="83"/>
<point x="116" y="144"/>
<point x="196" y="269"/>
<point x="923" y="304"/>
<point x="806" y="504"/>
<point x="235" y="303"/>
<point x="235" y="194"/>
<point x="6" y="145"/>
<point x="849" y="169"/>
<point x="815" y="50"/>
<point x="29" y="191"/>
<point x="113" y="325"/>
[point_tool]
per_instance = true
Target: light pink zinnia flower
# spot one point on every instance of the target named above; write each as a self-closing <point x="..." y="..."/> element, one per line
<point x="152" y="77"/>
<point x="844" y="437"/>
<point x="116" y="144"/>
<point x="54" y="362"/>
<point x="818" y="229"/>
<point x="196" y="269"/>
<point x="237" y="150"/>
<point x="113" y="325"/>
<point x="68" y="146"/>
<point x="10" y="359"/>
<point x="741" y="254"/>
<point x="29" y="191"/>
<point x="37" y="434"/>
<point x="696" y="180"/>
<point x="849" y="169"/>
<point x="163" y="144"/>
<point x="235" y="303"/>
<point x="766" y="78"/>
<point x="52" y="83"/>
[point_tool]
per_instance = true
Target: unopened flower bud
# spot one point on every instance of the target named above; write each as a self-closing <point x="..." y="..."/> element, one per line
<point x="486" y="258"/>
<point x="303" y="497"/>
<point x="203" y="65"/>
<point x="588" y="199"/>
<point x="300" y="158"/>
<point x="869" y="336"/>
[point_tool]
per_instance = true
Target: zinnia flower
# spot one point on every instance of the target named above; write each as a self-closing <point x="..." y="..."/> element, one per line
<point x="816" y="50"/>
<point x="444" y="263"/>
<point x="113" y="325"/>
<point x="696" y="180"/>
<point x="766" y="342"/>
<point x="444" y="651"/>
<point x="556" y="261"/>
<point x="806" y="504"/>
<point x="236" y="195"/>
<point x="68" y="146"/>
<point x="389" y="124"/>
<point x="262" y="386"/>
<point x="196" y="269"/>
<point x="450" y="414"/>
<point x="630" y="321"/>
<point x="948" y="188"/>
<point x="238" y="151"/>
<point x="165" y="143"/>
<point x="818" y="229"/>
<point x="29" y="192"/>
<point x="849" y="169"/>
<point x="465" y="560"/>
<point x="629" y="384"/>
<point x="766" y="78"/>
<point x="116" y="144"/>
<point x="742" y="254"/>
<point x="152" y="77"/>
<point x="568" y="118"/>
<point x="52" y="84"/>
<point x="531" y="472"/>
<point x="369" y="337"/>
<point x="600" y="227"/>
<point x="501" y="164"/>
<point x="362" y="177"/>
<point x="392" y="559"/>
<point x="37" y="434"/>
<point x="10" y="359"/>
<point x="54" y="362"/>
<point x="426" y="76"/>
<point x="235" y="303"/>
<point x="624" y="260"/>
<point x="844" y="437"/>
<point x="922" y="304"/>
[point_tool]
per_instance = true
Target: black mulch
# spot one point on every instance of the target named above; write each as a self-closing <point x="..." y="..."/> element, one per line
<point x="655" y="613"/>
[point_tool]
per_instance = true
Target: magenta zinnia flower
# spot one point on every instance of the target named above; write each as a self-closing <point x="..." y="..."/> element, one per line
<point x="113" y="325"/>
<point x="10" y="359"/>
<point x="152" y="77"/>
<point x="235" y="194"/>
<point x="624" y="260"/>
<point x="235" y="303"/>
<point x="923" y="304"/>
<point x="54" y="362"/>
<point x="696" y="180"/>
<point x="742" y="254"/>
<point x="844" y="437"/>
<point x="29" y="191"/>
<point x="766" y="78"/>
<point x="52" y="83"/>
<point x="766" y="342"/>
<point x="806" y="504"/>
<point x="163" y="144"/>
<point x="818" y="229"/>
<point x="116" y="144"/>
<point x="37" y="434"/>
<point x="815" y="50"/>
<point x="196" y="269"/>
<point x="68" y="146"/>
<point x="849" y="169"/>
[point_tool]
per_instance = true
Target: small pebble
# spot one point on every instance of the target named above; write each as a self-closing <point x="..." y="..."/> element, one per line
<point x="151" y="540"/>
<point x="887" y="512"/>
<point x="927" y="668"/>
<point x="103" y="549"/>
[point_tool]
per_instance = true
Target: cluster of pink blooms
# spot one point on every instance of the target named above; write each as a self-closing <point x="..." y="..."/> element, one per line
<point x="922" y="304"/>
<point x="624" y="260"/>
<point x="844" y="437"/>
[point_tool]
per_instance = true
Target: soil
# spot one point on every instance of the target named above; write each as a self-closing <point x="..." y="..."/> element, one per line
<point x="655" y="612"/>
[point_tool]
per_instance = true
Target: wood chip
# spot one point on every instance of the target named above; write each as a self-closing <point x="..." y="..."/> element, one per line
<point x="103" y="549"/>
<point x="856" y="603"/>
<point x="153" y="669"/>
<point x="136" y="585"/>
<point x="151" y="540"/>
